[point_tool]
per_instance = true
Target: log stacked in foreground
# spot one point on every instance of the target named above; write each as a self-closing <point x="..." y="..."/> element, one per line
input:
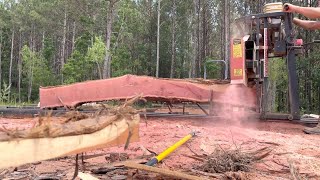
<point x="48" y="141"/>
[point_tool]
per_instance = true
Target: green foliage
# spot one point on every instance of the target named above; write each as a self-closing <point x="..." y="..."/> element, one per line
<point x="309" y="82"/>
<point x="84" y="60"/>
<point x="35" y="70"/>
<point x="278" y="76"/>
<point x="5" y="93"/>
<point x="97" y="52"/>
<point x="214" y="70"/>
<point x="77" y="68"/>
<point x="83" y="43"/>
<point x="49" y="49"/>
<point x="121" y="62"/>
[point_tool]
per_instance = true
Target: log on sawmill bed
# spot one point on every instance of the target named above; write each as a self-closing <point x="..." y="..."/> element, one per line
<point x="152" y="89"/>
<point x="121" y="88"/>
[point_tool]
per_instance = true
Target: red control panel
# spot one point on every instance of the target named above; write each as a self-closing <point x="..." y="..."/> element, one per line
<point x="237" y="62"/>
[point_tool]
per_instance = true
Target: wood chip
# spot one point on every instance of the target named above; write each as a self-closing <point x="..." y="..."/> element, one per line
<point x="86" y="176"/>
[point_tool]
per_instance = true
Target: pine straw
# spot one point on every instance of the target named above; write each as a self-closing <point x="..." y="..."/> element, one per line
<point x="232" y="160"/>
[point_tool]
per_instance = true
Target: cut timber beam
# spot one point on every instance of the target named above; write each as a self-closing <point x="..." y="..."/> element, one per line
<point x="122" y="88"/>
<point x="21" y="151"/>
<point x="151" y="89"/>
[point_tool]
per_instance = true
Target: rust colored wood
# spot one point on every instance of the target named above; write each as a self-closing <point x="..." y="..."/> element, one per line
<point x="124" y="87"/>
<point x="153" y="89"/>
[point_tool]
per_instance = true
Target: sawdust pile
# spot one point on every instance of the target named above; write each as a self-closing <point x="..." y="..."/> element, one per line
<point x="76" y="123"/>
<point x="232" y="160"/>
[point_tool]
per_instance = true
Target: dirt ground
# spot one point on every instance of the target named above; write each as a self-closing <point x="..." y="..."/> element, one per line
<point x="290" y="147"/>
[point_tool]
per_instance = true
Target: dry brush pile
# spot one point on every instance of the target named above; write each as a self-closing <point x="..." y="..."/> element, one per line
<point x="229" y="164"/>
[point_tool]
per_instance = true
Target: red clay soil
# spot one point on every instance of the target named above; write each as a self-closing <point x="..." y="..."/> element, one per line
<point x="150" y="88"/>
<point x="287" y="141"/>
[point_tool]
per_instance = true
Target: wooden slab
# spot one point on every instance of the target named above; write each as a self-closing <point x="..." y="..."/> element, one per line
<point x="166" y="172"/>
<point x="22" y="151"/>
<point x="122" y="88"/>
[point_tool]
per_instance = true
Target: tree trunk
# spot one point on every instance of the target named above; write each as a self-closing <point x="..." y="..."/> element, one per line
<point x="318" y="99"/>
<point x="30" y="80"/>
<point x="11" y="61"/>
<point x="63" y="47"/>
<point x="43" y="39"/>
<point x="173" y="51"/>
<point x="150" y="39"/>
<point x="19" y="68"/>
<point x="73" y="36"/>
<point x="194" y="41"/>
<point x="198" y="63"/>
<point x="107" y="60"/>
<point x="1" y="42"/>
<point x="227" y="31"/>
<point x="204" y="32"/>
<point x="158" y="39"/>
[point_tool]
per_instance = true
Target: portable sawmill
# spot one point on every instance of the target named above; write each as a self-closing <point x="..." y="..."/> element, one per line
<point x="258" y="38"/>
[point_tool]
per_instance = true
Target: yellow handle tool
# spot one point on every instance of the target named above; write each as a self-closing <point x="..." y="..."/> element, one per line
<point x="168" y="151"/>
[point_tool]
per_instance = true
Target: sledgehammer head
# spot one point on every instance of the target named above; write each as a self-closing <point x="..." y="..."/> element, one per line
<point x="195" y="133"/>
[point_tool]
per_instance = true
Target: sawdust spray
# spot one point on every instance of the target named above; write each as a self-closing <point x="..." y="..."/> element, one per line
<point x="234" y="103"/>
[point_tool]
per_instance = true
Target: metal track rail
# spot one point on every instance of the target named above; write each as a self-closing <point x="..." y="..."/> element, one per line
<point x="21" y="112"/>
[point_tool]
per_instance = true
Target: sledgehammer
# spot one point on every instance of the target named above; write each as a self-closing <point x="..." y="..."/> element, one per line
<point x="168" y="151"/>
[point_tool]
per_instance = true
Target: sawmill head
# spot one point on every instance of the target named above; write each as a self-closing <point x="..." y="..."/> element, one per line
<point x="256" y="39"/>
